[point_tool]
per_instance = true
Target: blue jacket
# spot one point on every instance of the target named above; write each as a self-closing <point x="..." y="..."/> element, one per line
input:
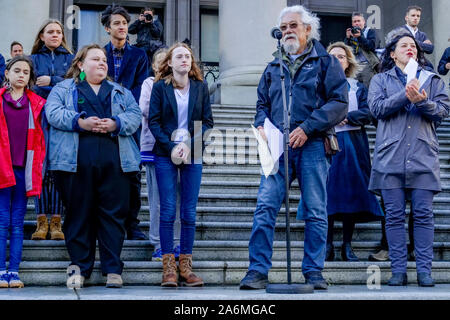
<point x="163" y="115"/>
<point x="54" y="64"/>
<point x="2" y="69"/>
<point x="406" y="148"/>
<point x="133" y="71"/>
<point x="421" y="37"/>
<point x="62" y="114"/>
<point x="444" y="60"/>
<point x="319" y="92"/>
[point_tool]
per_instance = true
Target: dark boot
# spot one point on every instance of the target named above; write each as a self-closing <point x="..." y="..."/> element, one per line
<point x="425" y="280"/>
<point x="398" y="279"/>
<point x="347" y="252"/>
<point x="329" y="256"/>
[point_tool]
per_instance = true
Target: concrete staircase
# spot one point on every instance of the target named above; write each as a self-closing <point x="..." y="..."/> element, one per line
<point x="227" y="200"/>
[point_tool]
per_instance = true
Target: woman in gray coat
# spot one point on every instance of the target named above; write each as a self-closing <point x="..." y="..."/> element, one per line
<point x="406" y="157"/>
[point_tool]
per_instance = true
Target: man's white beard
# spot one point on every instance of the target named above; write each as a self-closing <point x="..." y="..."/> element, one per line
<point x="291" y="47"/>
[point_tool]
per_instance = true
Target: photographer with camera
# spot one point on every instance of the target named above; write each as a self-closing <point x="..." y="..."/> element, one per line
<point x="363" y="42"/>
<point x="149" y="31"/>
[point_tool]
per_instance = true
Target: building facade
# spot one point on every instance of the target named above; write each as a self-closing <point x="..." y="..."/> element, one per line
<point x="232" y="34"/>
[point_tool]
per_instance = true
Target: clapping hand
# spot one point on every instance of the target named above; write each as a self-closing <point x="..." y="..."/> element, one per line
<point x="412" y="92"/>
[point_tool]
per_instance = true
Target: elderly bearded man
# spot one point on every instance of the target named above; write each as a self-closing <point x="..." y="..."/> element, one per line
<point x="319" y="92"/>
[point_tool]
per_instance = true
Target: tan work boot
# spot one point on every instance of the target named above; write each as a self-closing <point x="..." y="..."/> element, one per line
<point x="187" y="277"/>
<point x="169" y="278"/>
<point x="55" y="228"/>
<point x="41" y="229"/>
<point x="114" y="280"/>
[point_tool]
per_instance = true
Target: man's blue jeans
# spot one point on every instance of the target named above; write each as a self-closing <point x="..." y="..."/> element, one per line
<point x="13" y="206"/>
<point x="309" y="165"/>
<point x="190" y="179"/>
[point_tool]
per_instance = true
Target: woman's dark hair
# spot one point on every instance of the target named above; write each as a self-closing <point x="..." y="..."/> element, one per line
<point x="114" y="9"/>
<point x="392" y="39"/>
<point x="23" y="58"/>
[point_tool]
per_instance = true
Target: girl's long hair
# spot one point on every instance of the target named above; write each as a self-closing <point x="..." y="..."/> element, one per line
<point x="165" y="72"/>
<point x="38" y="43"/>
<point x="74" y="71"/>
<point x="23" y="58"/>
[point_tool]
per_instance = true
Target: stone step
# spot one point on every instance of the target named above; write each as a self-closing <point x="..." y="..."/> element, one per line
<point x="204" y="250"/>
<point x="54" y="273"/>
<point x="214" y="213"/>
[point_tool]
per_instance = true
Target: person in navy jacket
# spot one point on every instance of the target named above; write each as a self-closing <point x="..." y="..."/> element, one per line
<point x="318" y="88"/>
<point x="128" y="66"/>
<point x="444" y="63"/>
<point x="363" y="43"/>
<point x="349" y="199"/>
<point x="412" y="18"/>
<point x="179" y="116"/>
<point x="51" y="58"/>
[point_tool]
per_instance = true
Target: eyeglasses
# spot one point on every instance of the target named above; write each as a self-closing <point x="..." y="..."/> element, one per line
<point x="292" y="25"/>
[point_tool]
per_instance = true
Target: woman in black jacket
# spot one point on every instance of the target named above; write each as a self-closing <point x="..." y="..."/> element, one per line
<point x="180" y="112"/>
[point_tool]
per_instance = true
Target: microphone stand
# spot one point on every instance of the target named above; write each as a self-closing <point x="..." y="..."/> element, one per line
<point x="288" y="288"/>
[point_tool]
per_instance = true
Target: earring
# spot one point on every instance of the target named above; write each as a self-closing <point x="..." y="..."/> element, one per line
<point x="7" y="84"/>
<point x="82" y="75"/>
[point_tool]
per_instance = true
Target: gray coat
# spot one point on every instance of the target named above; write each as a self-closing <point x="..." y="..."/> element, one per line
<point x="406" y="149"/>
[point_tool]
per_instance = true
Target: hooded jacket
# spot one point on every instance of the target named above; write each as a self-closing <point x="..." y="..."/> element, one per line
<point x="35" y="147"/>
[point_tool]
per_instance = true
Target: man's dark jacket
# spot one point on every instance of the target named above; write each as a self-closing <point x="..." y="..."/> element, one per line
<point x="319" y="92"/>
<point x="134" y="68"/>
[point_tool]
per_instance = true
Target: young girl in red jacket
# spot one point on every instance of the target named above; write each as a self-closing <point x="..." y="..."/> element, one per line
<point x="22" y="152"/>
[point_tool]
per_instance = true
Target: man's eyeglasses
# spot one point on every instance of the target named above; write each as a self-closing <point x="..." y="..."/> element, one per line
<point x="292" y="25"/>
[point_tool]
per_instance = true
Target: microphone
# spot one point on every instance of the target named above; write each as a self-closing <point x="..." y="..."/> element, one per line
<point x="276" y="33"/>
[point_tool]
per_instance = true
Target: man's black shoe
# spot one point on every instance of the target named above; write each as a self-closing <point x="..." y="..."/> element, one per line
<point x="134" y="233"/>
<point x="315" y="279"/>
<point x="398" y="279"/>
<point x="253" y="280"/>
<point x="425" y="280"/>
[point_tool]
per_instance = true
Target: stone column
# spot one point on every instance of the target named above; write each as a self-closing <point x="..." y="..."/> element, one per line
<point x="183" y="21"/>
<point x="441" y="26"/>
<point x="245" y="47"/>
<point x="20" y="20"/>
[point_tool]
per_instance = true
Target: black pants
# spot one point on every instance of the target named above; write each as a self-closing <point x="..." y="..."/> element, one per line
<point x="348" y="225"/>
<point x="97" y="200"/>
<point x="135" y="195"/>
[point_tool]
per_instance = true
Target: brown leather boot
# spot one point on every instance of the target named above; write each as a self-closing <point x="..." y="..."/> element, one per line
<point x="187" y="277"/>
<point x="169" y="278"/>
<point x="55" y="228"/>
<point x="41" y="229"/>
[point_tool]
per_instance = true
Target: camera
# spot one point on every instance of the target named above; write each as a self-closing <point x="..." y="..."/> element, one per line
<point x="148" y="17"/>
<point x="356" y="30"/>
